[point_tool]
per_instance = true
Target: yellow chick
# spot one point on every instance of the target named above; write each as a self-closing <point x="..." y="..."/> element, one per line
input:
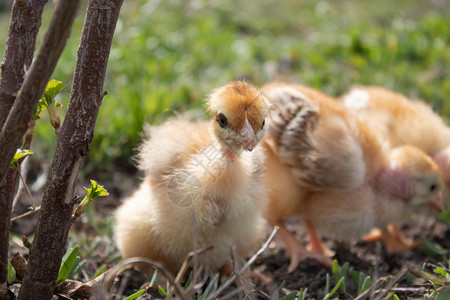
<point x="200" y="188"/>
<point x="327" y="167"/>
<point x="401" y="121"/>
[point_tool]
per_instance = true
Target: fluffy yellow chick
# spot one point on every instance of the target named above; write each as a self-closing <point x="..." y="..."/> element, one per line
<point x="200" y="187"/>
<point x="401" y="121"/>
<point x="328" y="168"/>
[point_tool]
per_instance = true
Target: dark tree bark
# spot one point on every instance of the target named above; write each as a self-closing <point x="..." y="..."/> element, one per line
<point x="72" y="146"/>
<point x="23" y="29"/>
<point x="6" y="196"/>
<point x="35" y="81"/>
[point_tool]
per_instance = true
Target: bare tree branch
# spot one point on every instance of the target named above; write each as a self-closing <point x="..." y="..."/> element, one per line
<point x="23" y="29"/>
<point x="35" y="82"/>
<point x="6" y="196"/>
<point x="24" y="25"/>
<point x="72" y="146"/>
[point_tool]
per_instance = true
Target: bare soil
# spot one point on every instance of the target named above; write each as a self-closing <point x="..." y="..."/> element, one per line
<point x="369" y="258"/>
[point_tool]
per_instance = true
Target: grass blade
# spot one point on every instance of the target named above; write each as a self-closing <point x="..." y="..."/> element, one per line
<point x="135" y="295"/>
<point x="67" y="264"/>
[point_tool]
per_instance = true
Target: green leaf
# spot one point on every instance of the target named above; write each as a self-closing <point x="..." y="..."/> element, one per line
<point x="327" y="285"/>
<point x="366" y="284"/>
<point x="290" y="296"/>
<point x="355" y="277"/>
<point x="338" y="285"/>
<point x="432" y="249"/>
<point x="19" y="154"/>
<point x="340" y="274"/>
<point x="39" y="108"/>
<point x="54" y="87"/>
<point x="344" y="274"/>
<point x="11" y="273"/>
<point x="155" y="278"/>
<point x="74" y="267"/>
<point x="78" y="268"/>
<point x="302" y="294"/>
<point x="432" y="278"/>
<point x="47" y="101"/>
<point x="100" y="270"/>
<point x="67" y="264"/>
<point x="96" y="190"/>
<point x="335" y="271"/>
<point x="135" y="295"/>
<point x="162" y="292"/>
<point x="441" y="271"/>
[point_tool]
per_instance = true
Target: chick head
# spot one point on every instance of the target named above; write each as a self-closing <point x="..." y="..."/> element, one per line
<point x="424" y="174"/>
<point x="239" y="112"/>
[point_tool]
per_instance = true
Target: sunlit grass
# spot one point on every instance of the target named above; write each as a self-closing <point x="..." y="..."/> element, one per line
<point x="167" y="55"/>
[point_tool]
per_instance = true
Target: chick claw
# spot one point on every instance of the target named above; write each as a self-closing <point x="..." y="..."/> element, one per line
<point x="296" y="251"/>
<point x="394" y="241"/>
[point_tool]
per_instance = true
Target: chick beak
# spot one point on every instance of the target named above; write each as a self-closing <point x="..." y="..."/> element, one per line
<point x="437" y="203"/>
<point x="247" y="136"/>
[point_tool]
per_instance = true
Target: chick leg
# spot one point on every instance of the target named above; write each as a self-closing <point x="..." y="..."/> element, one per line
<point x="373" y="235"/>
<point x="295" y="250"/>
<point x="315" y="242"/>
<point x="395" y="241"/>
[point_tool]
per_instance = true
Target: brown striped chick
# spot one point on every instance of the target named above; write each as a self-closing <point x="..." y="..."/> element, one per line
<point x="404" y="122"/>
<point x="328" y="168"/>
<point x="198" y="178"/>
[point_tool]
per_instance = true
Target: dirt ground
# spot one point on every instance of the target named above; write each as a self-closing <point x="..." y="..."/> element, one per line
<point x="369" y="258"/>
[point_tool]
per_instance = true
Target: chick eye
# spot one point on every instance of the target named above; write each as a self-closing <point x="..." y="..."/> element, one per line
<point x="433" y="187"/>
<point x="222" y="120"/>
<point x="262" y="124"/>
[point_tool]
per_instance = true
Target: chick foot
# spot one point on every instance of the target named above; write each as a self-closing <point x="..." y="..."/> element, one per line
<point x="296" y="251"/>
<point x="394" y="241"/>
<point x="315" y="242"/>
<point x="374" y="235"/>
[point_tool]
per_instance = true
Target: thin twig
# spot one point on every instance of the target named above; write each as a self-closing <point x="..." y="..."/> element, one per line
<point x="22" y="185"/>
<point x="26" y="214"/>
<point x="107" y="283"/>
<point x="232" y="278"/>
<point x="372" y="290"/>
<point x="233" y="293"/>
<point x="391" y="283"/>
<point x="184" y="267"/>
<point x="409" y="289"/>
<point x="33" y="205"/>
<point x="188" y="258"/>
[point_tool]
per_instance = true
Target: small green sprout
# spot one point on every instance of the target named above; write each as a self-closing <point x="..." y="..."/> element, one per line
<point x="135" y="295"/>
<point x="162" y="291"/>
<point x="11" y="273"/>
<point x="339" y="275"/>
<point x="432" y="249"/>
<point x="328" y="294"/>
<point x="69" y="264"/>
<point x="362" y="281"/>
<point x="19" y="154"/>
<point x="47" y="101"/>
<point x="96" y="190"/>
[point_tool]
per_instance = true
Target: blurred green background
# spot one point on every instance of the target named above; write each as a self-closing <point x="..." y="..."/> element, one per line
<point x="167" y="55"/>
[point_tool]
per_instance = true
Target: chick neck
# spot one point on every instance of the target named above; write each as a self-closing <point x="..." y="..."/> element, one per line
<point x="394" y="188"/>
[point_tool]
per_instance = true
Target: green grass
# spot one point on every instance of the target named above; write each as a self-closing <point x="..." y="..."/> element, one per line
<point x="167" y="55"/>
